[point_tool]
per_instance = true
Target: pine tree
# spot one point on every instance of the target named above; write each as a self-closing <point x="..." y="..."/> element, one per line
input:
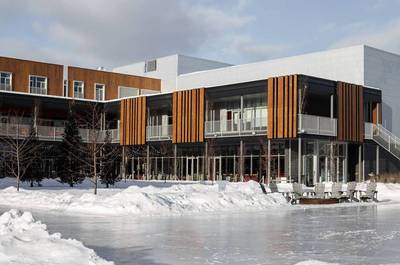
<point x="34" y="172"/>
<point x="109" y="162"/>
<point x="68" y="161"/>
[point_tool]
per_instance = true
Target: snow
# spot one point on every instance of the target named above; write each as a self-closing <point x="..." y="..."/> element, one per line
<point x="315" y="262"/>
<point x="24" y="241"/>
<point x="151" y="198"/>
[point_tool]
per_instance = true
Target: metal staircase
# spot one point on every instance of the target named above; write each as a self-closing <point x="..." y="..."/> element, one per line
<point x="385" y="139"/>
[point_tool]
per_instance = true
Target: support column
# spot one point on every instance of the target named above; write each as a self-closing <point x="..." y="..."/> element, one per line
<point x="359" y="163"/>
<point x="269" y="161"/>
<point x="205" y="162"/>
<point x="290" y="161"/>
<point x="241" y="162"/>
<point x="332" y="102"/>
<point x="299" y="162"/>
<point x="175" y="162"/>
<point x="123" y="164"/>
<point x="147" y="162"/>
<point x="377" y="160"/>
<point x="346" y="161"/>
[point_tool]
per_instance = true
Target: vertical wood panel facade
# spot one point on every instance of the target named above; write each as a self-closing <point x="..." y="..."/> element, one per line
<point x="282" y="107"/>
<point x="111" y="80"/>
<point x="350" y="102"/>
<point x="21" y="69"/>
<point x="133" y="121"/>
<point x="377" y="113"/>
<point x="188" y="116"/>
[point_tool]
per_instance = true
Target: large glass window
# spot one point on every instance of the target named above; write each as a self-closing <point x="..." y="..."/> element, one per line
<point x="38" y="84"/>
<point x="78" y="89"/>
<point x="99" y="88"/>
<point x="5" y="81"/>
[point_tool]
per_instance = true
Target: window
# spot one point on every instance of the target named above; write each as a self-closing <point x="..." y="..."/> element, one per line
<point x="99" y="88"/>
<point x="65" y="88"/>
<point x="38" y="84"/>
<point x="78" y="89"/>
<point x="5" y="81"/>
<point x="150" y="66"/>
<point x="124" y="92"/>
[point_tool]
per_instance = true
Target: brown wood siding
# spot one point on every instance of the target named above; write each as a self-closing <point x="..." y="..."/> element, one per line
<point x="350" y="110"/>
<point x="377" y="113"/>
<point x="188" y="116"/>
<point x="133" y="121"/>
<point x="111" y="81"/>
<point x="21" y="69"/>
<point x="282" y="107"/>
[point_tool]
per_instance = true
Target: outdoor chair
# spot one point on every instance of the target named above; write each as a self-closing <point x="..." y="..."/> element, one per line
<point x="371" y="193"/>
<point x="319" y="190"/>
<point x="297" y="193"/>
<point x="350" y="191"/>
<point x="337" y="192"/>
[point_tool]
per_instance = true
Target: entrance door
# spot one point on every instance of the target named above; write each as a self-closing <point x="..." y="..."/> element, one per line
<point x="191" y="168"/>
<point x="216" y="168"/>
<point x="310" y="169"/>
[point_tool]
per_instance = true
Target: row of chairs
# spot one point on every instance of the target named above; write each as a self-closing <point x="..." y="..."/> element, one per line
<point x="350" y="194"/>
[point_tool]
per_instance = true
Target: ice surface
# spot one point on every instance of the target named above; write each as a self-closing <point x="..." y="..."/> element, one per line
<point x="26" y="241"/>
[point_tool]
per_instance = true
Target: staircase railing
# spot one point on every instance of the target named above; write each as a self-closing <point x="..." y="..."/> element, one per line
<point x="386" y="139"/>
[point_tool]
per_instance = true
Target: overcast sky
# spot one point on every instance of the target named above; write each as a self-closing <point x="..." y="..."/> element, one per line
<point x="109" y="33"/>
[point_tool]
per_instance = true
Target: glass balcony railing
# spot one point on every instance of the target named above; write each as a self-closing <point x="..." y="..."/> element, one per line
<point x="158" y="132"/>
<point x="5" y="87"/>
<point x="49" y="133"/>
<point x="236" y="127"/>
<point x="310" y="124"/>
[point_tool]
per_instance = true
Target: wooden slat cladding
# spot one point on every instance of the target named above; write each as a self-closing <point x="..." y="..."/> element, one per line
<point x="188" y="116"/>
<point x="282" y="107"/>
<point x="21" y="69"/>
<point x="111" y="81"/>
<point x="133" y="121"/>
<point x="377" y="113"/>
<point x="350" y="103"/>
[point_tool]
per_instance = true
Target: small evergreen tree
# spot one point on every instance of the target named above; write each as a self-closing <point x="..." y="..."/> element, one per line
<point x="109" y="162"/>
<point x="34" y="172"/>
<point x="69" y="158"/>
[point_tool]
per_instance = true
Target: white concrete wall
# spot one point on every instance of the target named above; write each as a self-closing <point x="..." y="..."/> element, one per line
<point x="188" y="64"/>
<point x="167" y="71"/>
<point x="344" y="64"/>
<point x="382" y="70"/>
<point x="169" y="67"/>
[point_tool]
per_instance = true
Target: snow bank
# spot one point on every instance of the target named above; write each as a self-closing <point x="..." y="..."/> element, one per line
<point x="148" y="200"/>
<point x="26" y="241"/>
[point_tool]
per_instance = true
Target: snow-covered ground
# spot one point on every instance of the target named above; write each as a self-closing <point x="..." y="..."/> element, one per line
<point x="155" y="197"/>
<point x="26" y="241"/>
<point x="145" y="198"/>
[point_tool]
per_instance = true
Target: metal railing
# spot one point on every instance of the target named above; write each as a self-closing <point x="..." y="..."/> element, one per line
<point x="386" y="139"/>
<point x="38" y="90"/>
<point x="310" y="124"/>
<point x="236" y="127"/>
<point x="49" y="133"/>
<point x="5" y="87"/>
<point x="158" y="132"/>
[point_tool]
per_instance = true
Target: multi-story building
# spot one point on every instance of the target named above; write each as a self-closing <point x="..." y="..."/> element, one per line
<point x="316" y="117"/>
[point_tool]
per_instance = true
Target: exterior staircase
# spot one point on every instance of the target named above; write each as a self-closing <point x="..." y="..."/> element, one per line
<point x="384" y="138"/>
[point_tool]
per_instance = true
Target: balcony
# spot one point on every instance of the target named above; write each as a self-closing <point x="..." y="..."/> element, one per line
<point x="158" y="132"/>
<point x="317" y="125"/>
<point x="5" y="87"/>
<point x="238" y="127"/>
<point x="48" y="133"/>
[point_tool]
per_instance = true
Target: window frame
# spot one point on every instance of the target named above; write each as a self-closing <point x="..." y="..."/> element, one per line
<point x="46" y="83"/>
<point x="103" y="93"/>
<point x="83" y="89"/>
<point x="11" y="80"/>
